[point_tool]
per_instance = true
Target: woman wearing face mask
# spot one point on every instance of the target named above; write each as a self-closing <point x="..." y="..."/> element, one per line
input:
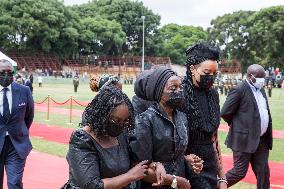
<point x="203" y="115"/>
<point x="98" y="155"/>
<point x="160" y="131"/>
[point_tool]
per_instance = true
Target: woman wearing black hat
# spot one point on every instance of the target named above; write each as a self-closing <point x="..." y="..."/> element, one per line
<point x="160" y="131"/>
<point x="140" y="105"/>
<point x="203" y="115"/>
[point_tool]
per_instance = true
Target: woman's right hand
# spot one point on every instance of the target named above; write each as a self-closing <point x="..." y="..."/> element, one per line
<point x="138" y="172"/>
<point x="183" y="183"/>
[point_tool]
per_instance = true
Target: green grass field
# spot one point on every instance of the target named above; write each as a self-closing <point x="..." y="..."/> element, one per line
<point x="62" y="89"/>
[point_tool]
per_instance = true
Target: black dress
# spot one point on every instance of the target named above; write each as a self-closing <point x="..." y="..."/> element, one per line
<point x="158" y="139"/>
<point x="89" y="163"/>
<point x="200" y="143"/>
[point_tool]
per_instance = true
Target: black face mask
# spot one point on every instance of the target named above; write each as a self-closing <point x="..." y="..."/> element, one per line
<point x="206" y="81"/>
<point x="113" y="129"/>
<point x="6" y="79"/>
<point x="176" y="100"/>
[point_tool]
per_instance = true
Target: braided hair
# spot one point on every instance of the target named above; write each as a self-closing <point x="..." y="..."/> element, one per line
<point x="98" y="111"/>
<point x="97" y="84"/>
<point x="197" y="54"/>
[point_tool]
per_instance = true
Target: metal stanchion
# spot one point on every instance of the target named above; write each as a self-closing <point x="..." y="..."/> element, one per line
<point x="48" y="107"/>
<point x="71" y="106"/>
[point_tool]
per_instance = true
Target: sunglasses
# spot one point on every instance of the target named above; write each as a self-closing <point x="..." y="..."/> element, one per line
<point x="6" y="72"/>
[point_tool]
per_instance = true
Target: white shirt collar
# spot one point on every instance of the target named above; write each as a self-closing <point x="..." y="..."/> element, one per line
<point x="9" y="87"/>
<point x="251" y="86"/>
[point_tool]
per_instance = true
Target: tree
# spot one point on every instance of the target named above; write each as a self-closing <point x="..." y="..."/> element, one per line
<point x="100" y="36"/>
<point x="176" y="39"/>
<point x="45" y="25"/>
<point x="128" y="14"/>
<point x="267" y="31"/>
<point x="251" y="37"/>
<point x="231" y="32"/>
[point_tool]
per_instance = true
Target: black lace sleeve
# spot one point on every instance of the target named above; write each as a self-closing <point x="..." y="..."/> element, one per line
<point x="83" y="161"/>
<point x="141" y="141"/>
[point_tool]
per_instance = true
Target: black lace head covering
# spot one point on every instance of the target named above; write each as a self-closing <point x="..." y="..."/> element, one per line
<point x="197" y="54"/>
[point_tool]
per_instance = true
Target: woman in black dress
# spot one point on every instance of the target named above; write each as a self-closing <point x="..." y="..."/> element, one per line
<point x="203" y="115"/>
<point x="160" y="132"/>
<point x="98" y="155"/>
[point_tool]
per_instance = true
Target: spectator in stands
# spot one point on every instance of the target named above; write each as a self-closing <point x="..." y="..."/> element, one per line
<point x="76" y="83"/>
<point x="98" y="154"/>
<point x="40" y="81"/>
<point x="17" y="112"/>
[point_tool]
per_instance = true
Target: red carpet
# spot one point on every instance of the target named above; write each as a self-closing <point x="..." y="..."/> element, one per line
<point x="276" y="133"/>
<point x="43" y="175"/>
<point x="44" y="171"/>
<point x="51" y="133"/>
<point x="64" y="111"/>
<point x="276" y="172"/>
<point x="62" y="135"/>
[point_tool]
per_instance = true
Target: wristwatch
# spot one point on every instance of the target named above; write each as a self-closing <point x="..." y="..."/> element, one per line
<point x="174" y="183"/>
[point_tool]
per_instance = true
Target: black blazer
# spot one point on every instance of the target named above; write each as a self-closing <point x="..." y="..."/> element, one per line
<point x="241" y="112"/>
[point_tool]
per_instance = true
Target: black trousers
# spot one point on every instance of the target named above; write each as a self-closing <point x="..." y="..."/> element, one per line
<point x="75" y="88"/>
<point x="13" y="164"/>
<point x="259" y="164"/>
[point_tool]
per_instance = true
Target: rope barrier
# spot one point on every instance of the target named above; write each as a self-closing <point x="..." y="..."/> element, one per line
<point x="71" y="99"/>
<point x="42" y="101"/>
<point x="79" y="103"/>
<point x="60" y="103"/>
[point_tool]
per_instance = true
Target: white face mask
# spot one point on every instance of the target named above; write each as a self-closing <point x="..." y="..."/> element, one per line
<point x="259" y="82"/>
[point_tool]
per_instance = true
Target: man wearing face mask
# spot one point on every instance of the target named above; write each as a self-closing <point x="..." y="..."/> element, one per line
<point x="246" y="111"/>
<point x="17" y="112"/>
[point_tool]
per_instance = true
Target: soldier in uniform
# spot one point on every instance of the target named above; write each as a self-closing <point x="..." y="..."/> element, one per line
<point x="235" y="82"/>
<point x="76" y="82"/>
<point x="226" y="87"/>
<point x="221" y="87"/>
<point x="269" y="87"/>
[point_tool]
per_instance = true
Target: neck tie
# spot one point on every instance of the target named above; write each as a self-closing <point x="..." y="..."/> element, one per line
<point x="6" y="110"/>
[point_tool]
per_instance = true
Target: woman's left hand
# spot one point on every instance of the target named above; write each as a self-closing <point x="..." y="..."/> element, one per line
<point x="195" y="162"/>
<point x="160" y="174"/>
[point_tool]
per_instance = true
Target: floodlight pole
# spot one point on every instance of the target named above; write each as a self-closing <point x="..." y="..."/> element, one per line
<point x="143" y="44"/>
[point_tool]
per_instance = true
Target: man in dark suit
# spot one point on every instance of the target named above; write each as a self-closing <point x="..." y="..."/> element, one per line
<point x="247" y="113"/>
<point x="17" y="112"/>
